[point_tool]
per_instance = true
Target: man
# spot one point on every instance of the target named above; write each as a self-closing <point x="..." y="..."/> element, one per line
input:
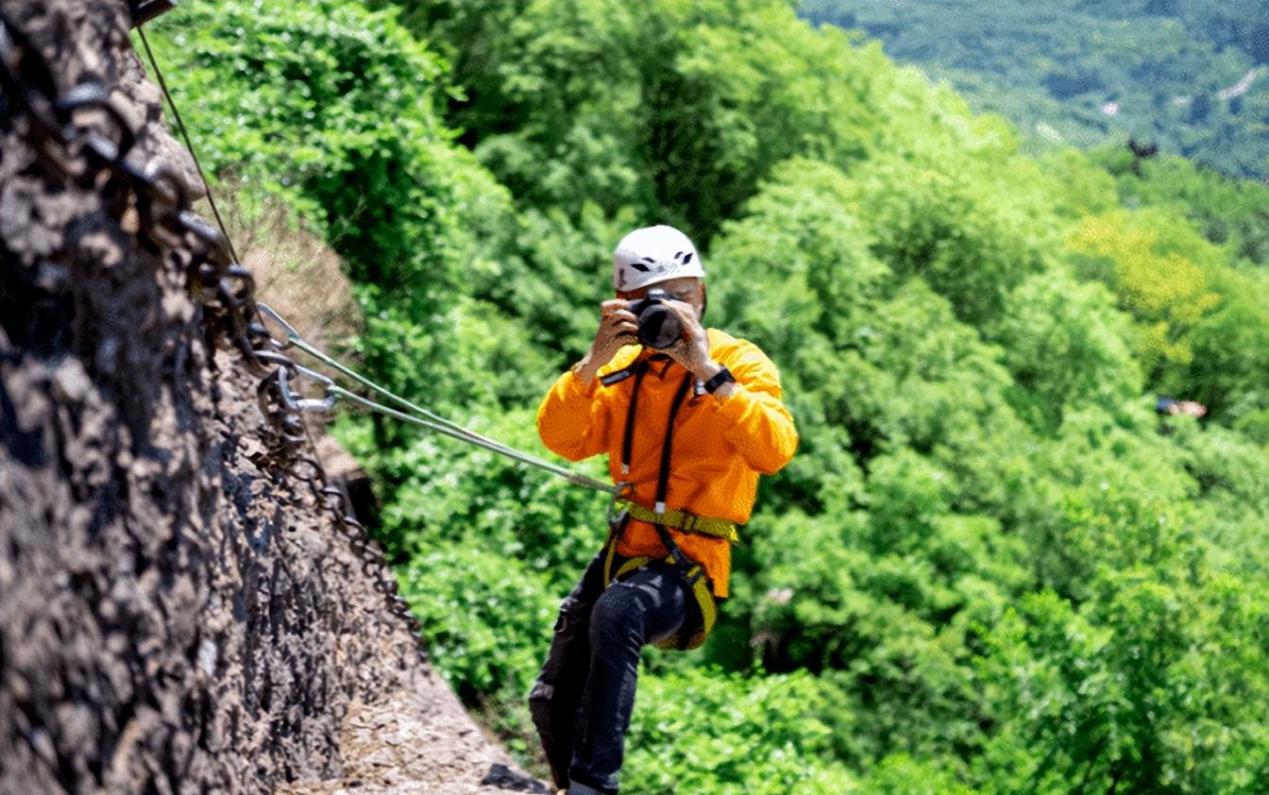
<point x="688" y="428"/>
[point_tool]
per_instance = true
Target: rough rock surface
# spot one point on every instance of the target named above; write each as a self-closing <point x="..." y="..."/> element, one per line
<point x="177" y="613"/>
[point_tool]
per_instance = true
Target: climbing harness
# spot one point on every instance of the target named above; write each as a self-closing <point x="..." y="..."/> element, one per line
<point x="661" y="518"/>
<point x="684" y="521"/>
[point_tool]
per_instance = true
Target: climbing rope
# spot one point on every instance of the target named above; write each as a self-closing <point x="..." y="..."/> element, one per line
<point x="180" y="123"/>
<point x="414" y="414"/>
<point x="575" y="478"/>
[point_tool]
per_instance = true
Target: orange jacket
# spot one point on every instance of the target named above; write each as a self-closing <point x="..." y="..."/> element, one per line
<point x="720" y="445"/>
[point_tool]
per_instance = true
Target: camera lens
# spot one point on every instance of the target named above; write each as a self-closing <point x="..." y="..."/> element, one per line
<point x="658" y="326"/>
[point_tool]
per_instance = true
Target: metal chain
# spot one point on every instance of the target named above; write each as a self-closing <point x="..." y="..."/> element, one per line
<point x="70" y="149"/>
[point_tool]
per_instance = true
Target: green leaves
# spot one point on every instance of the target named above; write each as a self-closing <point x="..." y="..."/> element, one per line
<point x="1067" y="348"/>
<point x="1135" y="701"/>
<point x="1084" y="73"/>
<point x="334" y="108"/>
<point x="708" y="731"/>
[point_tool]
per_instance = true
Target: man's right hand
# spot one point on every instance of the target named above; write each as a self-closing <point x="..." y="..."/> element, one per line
<point x="617" y="328"/>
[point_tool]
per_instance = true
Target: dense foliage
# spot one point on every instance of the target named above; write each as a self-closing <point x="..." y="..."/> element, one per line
<point x="1191" y="76"/>
<point x="991" y="567"/>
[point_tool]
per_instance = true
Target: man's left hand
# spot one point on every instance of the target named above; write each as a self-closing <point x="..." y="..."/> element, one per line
<point x="692" y="349"/>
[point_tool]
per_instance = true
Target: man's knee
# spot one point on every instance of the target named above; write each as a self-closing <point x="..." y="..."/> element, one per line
<point x="540" y="704"/>
<point x="575" y="608"/>
<point x="616" y="621"/>
<point x="642" y="608"/>
<point x="572" y="610"/>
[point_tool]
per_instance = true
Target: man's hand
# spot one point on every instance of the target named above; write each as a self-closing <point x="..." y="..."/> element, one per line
<point x="692" y="349"/>
<point x="617" y="327"/>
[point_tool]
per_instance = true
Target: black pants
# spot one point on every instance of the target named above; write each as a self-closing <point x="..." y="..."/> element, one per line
<point x="583" y="697"/>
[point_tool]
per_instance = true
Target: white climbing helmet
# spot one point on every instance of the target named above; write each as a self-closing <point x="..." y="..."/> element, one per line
<point x="654" y="254"/>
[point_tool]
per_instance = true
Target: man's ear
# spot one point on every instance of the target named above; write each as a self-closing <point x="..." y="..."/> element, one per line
<point x="704" y="300"/>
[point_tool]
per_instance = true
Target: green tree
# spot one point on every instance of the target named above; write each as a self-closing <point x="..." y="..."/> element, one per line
<point x="1066" y="347"/>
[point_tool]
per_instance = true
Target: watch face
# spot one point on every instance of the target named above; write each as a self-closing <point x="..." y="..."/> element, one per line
<point x="723" y="376"/>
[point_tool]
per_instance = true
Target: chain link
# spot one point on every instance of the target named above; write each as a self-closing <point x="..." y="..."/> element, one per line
<point x="61" y="130"/>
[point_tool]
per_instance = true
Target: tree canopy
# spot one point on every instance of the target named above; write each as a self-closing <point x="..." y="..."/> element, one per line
<point x="1188" y="76"/>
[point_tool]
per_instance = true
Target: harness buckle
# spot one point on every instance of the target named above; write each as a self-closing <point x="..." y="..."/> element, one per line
<point x="690" y="520"/>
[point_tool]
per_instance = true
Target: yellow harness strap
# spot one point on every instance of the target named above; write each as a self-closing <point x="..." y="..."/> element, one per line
<point x="682" y="520"/>
<point x="690" y="569"/>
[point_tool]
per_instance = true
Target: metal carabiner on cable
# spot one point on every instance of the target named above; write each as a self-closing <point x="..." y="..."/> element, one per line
<point x="620" y="493"/>
<point x="266" y="312"/>
<point x="292" y="402"/>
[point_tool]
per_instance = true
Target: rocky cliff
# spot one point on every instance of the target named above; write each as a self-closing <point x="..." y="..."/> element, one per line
<point x="183" y="607"/>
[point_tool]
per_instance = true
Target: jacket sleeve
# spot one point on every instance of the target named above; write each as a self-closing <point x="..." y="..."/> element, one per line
<point x="573" y="419"/>
<point x="754" y="418"/>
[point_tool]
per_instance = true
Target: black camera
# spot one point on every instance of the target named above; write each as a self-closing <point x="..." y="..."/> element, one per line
<point x="659" y="327"/>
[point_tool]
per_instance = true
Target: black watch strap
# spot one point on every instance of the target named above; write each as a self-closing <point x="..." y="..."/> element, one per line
<point x="723" y="376"/>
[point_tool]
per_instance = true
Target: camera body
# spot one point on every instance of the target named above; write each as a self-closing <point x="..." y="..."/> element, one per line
<point x="658" y="326"/>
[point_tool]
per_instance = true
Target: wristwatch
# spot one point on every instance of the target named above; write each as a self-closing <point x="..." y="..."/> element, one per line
<point x="723" y="376"/>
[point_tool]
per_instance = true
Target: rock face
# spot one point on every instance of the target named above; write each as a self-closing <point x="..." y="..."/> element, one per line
<point x="178" y="611"/>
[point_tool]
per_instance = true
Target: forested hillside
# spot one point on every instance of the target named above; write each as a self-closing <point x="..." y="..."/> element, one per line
<point x="1191" y="76"/>
<point x="992" y="567"/>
